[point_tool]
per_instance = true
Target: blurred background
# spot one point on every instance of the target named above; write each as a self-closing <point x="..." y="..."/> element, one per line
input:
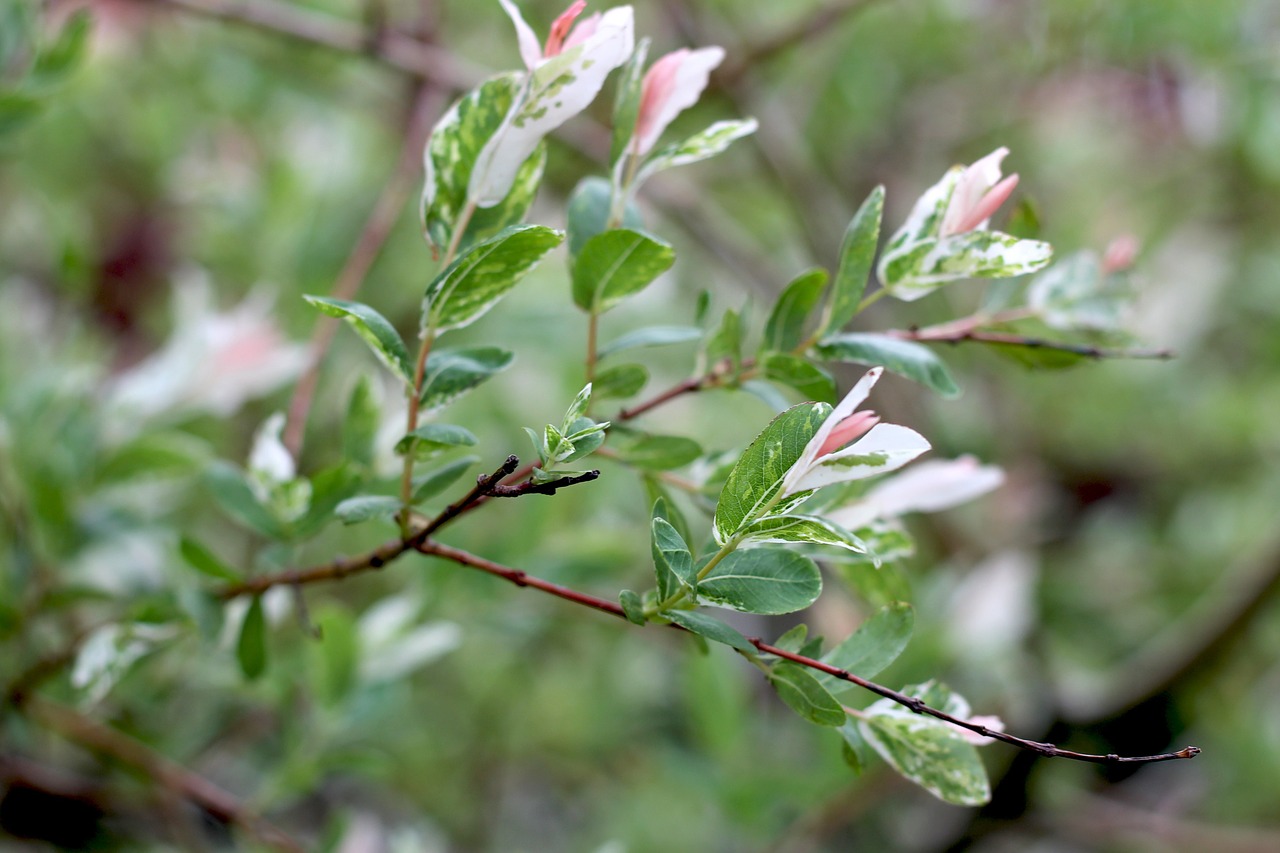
<point x="1116" y="595"/>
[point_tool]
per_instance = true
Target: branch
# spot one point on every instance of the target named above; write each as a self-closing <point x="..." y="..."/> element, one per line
<point x="377" y="228"/>
<point x="549" y="488"/>
<point x="378" y="557"/>
<point x="387" y="46"/>
<point x="1004" y="339"/>
<point x="166" y="773"/>
<point x="523" y="579"/>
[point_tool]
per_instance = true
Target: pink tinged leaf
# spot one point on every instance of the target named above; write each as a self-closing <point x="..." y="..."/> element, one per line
<point x="673" y="84"/>
<point x="975" y="184"/>
<point x="926" y="487"/>
<point x="857" y="394"/>
<point x="558" y="89"/>
<point x="530" y="51"/>
<point x="560" y="28"/>
<point x="585" y="29"/>
<point x="1120" y="254"/>
<point x="852" y="427"/>
<point x="887" y="447"/>
<point x="977" y="218"/>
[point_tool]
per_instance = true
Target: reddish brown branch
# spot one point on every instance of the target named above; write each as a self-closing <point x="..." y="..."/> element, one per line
<point x="521" y="578"/>
<point x="165" y="773"/>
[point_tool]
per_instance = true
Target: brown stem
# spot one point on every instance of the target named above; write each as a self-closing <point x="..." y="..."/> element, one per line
<point x="167" y="774"/>
<point x="521" y="578"/>
<point x="374" y="234"/>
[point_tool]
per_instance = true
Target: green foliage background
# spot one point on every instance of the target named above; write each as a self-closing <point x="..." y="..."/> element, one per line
<point x="1143" y="493"/>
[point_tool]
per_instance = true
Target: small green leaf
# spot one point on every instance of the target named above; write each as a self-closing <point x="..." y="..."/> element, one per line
<point x="801" y="374"/>
<point x="615" y="264"/>
<point x="577" y="409"/>
<point x="339" y="652"/>
<point x="588" y="214"/>
<point x="666" y="508"/>
<point x="784" y="330"/>
<point x="373" y="329"/>
<point x="876" y="644"/>
<point x="626" y="101"/>
<point x="652" y="336"/>
<point x="794" y="639"/>
<point x="756" y="477"/>
<point x="711" y="628"/>
<point x="230" y="491"/>
<point x="620" y="381"/>
<point x="673" y="564"/>
<point x="56" y="62"/>
<point x="768" y="581"/>
<point x="926" y="750"/>
<point x="726" y="342"/>
<point x="857" y="253"/>
<point x="430" y="439"/>
<point x="203" y="560"/>
<point x="632" y="606"/>
<point x="251" y="649"/>
<point x="854" y="747"/>
<point x="450" y="157"/>
<point x="803" y="528"/>
<point x="1037" y="356"/>
<point x="329" y="487"/>
<point x="475" y="282"/>
<point x="804" y="695"/>
<point x="367" y="507"/>
<point x="905" y="358"/>
<point x="877" y="586"/>
<point x="659" y="452"/>
<point x="701" y="146"/>
<point x="431" y="484"/>
<point x="584" y="437"/>
<point x="155" y="454"/>
<point x="360" y="428"/>
<point x="451" y="373"/>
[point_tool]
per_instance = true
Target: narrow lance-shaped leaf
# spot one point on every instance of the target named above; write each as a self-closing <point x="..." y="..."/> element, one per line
<point x="758" y="474"/>
<point x="251" y="648"/>
<point x="616" y="264"/>
<point x="857" y="253"/>
<point x="768" y="581"/>
<point x="801" y="374"/>
<point x="673" y="564"/>
<point x="659" y="452"/>
<point x="373" y="329"/>
<point x="804" y="695"/>
<point x="430" y="439"/>
<point x="701" y="146"/>
<point x="803" y="528"/>
<point x="784" y="330"/>
<point x="451" y="373"/>
<point x="711" y="628"/>
<point x="652" y="336"/>
<point x="366" y="508"/>
<point x="626" y="101"/>
<point x="589" y="209"/>
<point x="876" y="644"/>
<point x="360" y="428"/>
<point x="620" y="381"/>
<point x="434" y="482"/>
<point x="905" y="358"/>
<point x="476" y="281"/>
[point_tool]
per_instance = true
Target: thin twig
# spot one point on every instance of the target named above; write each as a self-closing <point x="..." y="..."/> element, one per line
<point x="166" y="773"/>
<point x="524" y="579"/>
<point x="548" y="488"/>
<point x="392" y="48"/>
<point x="1005" y="339"/>
<point x="377" y="228"/>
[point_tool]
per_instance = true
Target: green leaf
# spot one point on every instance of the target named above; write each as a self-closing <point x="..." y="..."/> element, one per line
<point x="626" y="101"/>
<point x="793" y="640"/>
<point x="876" y="644"/>
<point x="801" y="374"/>
<point x="1037" y="356"/>
<point x="803" y="528"/>
<point x="475" y="282"/>
<point x="56" y="62"/>
<point x="768" y="581"/>
<point x="905" y="358"/>
<point x="666" y="508"/>
<point x="450" y="157"/>
<point x="373" y="329"/>
<point x="701" y="146"/>
<point x="756" y="477"/>
<point x="920" y="268"/>
<point x="615" y="264"/>
<point x="784" y="330"/>
<point x="726" y="342"/>
<point x="588" y="215"/>
<point x="430" y="439"/>
<point x="620" y="381"/>
<point x="804" y="695"/>
<point x="251" y="648"/>
<point x="205" y="561"/>
<point x="854" y="747"/>
<point x="711" y="628"/>
<point x="431" y="484"/>
<point x="576" y="409"/>
<point x="156" y="454"/>
<point x="585" y="435"/>
<point x="926" y="750"/>
<point x="339" y="652"/>
<point x="367" y="507"/>
<point x="328" y="488"/>
<point x="672" y="562"/>
<point x="230" y="491"/>
<point x="877" y="586"/>
<point x="451" y="373"/>
<point x="857" y="253"/>
<point x="360" y="428"/>
<point x="632" y="606"/>
<point x="652" y="336"/>
<point x="659" y="452"/>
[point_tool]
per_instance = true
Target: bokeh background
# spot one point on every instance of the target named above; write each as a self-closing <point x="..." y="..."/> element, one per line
<point x="1117" y="594"/>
